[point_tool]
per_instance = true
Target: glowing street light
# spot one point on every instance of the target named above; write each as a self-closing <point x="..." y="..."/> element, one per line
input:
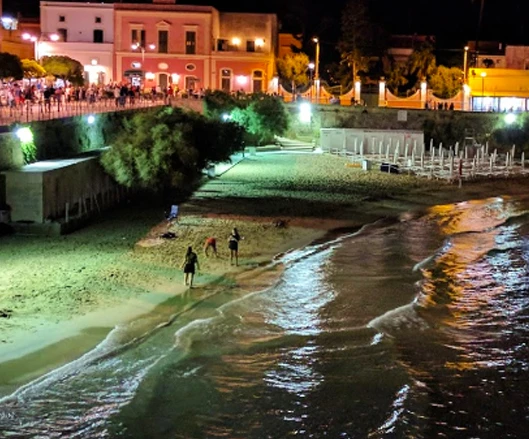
<point x="305" y="112"/>
<point x="37" y="41"/>
<point x="136" y="46"/>
<point x="25" y="135"/>
<point x="510" y="118"/>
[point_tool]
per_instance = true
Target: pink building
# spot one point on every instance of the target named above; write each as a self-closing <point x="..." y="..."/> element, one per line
<point x="194" y="47"/>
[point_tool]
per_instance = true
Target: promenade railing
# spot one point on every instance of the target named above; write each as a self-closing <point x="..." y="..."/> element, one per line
<point x="35" y="111"/>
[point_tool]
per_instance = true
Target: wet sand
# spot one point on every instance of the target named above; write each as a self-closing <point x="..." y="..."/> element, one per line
<point x="64" y="295"/>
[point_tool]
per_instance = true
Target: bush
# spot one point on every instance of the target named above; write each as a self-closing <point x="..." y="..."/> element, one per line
<point x="261" y="116"/>
<point x="168" y="148"/>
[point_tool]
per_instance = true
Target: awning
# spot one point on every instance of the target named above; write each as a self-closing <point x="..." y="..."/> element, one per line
<point x="134" y="73"/>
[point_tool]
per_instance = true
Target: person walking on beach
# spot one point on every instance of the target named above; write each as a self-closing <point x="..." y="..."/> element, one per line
<point x="211" y="243"/>
<point x="188" y="264"/>
<point x="233" y="245"/>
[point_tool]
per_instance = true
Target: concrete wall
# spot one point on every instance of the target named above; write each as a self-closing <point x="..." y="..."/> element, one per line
<point x="46" y="191"/>
<point x="443" y="126"/>
<point x="10" y="152"/>
<point x="24" y="195"/>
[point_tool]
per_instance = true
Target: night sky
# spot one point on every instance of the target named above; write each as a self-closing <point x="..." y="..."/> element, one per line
<point x="453" y="22"/>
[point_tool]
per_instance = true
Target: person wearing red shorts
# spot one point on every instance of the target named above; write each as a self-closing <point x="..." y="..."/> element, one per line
<point x="211" y="243"/>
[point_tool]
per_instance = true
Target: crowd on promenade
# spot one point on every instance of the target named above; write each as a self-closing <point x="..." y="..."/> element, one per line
<point x="40" y="99"/>
<point x="37" y="100"/>
<point x="19" y="94"/>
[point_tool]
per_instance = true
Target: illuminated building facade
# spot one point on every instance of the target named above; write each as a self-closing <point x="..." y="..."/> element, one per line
<point x="1" y="28"/>
<point x="86" y="33"/>
<point x="194" y="47"/>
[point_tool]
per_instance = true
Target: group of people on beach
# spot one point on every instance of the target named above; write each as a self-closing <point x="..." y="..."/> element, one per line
<point x="190" y="262"/>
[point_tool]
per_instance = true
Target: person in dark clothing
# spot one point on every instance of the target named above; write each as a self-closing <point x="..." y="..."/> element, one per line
<point x="188" y="265"/>
<point x="233" y="245"/>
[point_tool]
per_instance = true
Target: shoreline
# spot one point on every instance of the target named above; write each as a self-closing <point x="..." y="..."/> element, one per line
<point x="141" y="280"/>
<point x="29" y="356"/>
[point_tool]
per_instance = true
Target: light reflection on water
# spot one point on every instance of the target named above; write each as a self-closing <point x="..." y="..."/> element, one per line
<point x="410" y="330"/>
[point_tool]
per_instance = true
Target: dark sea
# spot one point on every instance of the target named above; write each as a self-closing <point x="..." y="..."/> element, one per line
<point x="412" y="328"/>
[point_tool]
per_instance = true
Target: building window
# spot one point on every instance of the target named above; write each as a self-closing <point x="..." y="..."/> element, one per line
<point x="98" y="36"/>
<point x="63" y="34"/>
<point x="250" y="46"/>
<point x="225" y="80"/>
<point x="190" y="84"/>
<point x="257" y="81"/>
<point x="191" y="42"/>
<point x="98" y="20"/>
<point x="222" y="45"/>
<point x="163" y="41"/>
<point x="137" y="36"/>
<point x="62" y="18"/>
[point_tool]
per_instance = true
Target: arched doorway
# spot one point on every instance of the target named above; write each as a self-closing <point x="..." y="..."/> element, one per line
<point x="257" y="81"/>
<point x="163" y="81"/>
<point x="225" y="80"/>
<point x="190" y="84"/>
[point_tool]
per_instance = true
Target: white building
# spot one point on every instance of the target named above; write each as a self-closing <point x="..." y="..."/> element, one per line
<point x="86" y="32"/>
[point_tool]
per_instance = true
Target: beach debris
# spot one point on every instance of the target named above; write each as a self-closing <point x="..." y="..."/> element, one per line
<point x="280" y="223"/>
<point x="5" y="313"/>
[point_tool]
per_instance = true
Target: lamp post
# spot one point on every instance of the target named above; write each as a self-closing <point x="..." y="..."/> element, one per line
<point x="311" y="68"/>
<point x="137" y="46"/>
<point x="317" y="69"/>
<point x="317" y="65"/>
<point x="483" y="76"/>
<point x="465" y="65"/>
<point x="37" y="40"/>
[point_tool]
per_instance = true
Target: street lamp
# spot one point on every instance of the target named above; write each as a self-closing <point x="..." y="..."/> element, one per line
<point x="311" y="68"/>
<point x="317" y="69"/>
<point x="465" y="65"/>
<point x="317" y="65"/>
<point x="37" y="40"/>
<point x="483" y="76"/>
<point x="137" y="46"/>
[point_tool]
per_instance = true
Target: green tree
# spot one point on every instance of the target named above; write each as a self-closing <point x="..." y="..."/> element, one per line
<point x="355" y="42"/>
<point x="421" y="64"/>
<point x="10" y="66"/>
<point x="446" y="82"/>
<point x="167" y="148"/>
<point x="32" y="69"/>
<point x="292" y="69"/>
<point x="218" y="102"/>
<point x="65" y="68"/>
<point x="396" y="77"/>
<point x="262" y="119"/>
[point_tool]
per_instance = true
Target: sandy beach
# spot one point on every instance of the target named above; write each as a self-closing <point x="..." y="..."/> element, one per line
<point x="61" y="296"/>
